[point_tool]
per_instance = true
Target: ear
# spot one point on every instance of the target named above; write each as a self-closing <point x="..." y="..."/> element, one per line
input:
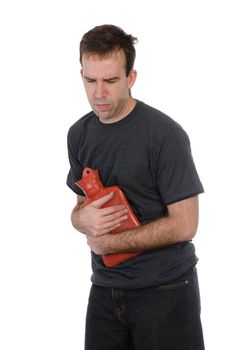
<point x="132" y="78"/>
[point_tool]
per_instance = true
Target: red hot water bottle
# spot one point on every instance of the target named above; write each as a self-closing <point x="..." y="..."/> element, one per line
<point x="94" y="189"/>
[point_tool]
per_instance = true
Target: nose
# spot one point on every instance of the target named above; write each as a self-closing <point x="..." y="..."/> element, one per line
<point x="99" y="90"/>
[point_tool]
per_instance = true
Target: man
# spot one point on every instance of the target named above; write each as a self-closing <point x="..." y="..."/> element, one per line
<point x="152" y="300"/>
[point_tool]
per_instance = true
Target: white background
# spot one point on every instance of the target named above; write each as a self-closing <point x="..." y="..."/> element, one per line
<point x="194" y="63"/>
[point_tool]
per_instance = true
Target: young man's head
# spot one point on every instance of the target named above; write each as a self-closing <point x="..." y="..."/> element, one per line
<point x="105" y="39"/>
<point x="107" y="57"/>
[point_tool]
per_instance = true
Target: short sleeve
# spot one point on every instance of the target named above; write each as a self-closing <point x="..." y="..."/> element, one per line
<point x="75" y="172"/>
<point x="177" y="177"/>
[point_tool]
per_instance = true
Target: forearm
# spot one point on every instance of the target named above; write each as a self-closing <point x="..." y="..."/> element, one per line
<point x="179" y="226"/>
<point x="157" y="234"/>
<point x="150" y="236"/>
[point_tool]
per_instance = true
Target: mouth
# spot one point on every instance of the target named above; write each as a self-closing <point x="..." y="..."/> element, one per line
<point x="102" y="107"/>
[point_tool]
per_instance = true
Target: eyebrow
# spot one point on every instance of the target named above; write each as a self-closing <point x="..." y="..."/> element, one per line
<point x="106" y="80"/>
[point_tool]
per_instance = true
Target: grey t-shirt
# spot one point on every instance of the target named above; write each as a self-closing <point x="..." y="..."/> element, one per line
<point x="148" y="155"/>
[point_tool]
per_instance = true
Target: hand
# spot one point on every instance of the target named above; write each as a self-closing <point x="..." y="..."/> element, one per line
<point x="96" y="221"/>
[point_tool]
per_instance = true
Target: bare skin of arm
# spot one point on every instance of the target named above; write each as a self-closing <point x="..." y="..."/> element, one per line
<point x="94" y="220"/>
<point x="180" y="225"/>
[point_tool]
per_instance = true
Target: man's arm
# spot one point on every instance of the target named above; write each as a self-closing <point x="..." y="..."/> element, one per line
<point x="93" y="220"/>
<point x="180" y="225"/>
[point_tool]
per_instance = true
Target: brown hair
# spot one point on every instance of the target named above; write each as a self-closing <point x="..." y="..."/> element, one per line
<point x="104" y="39"/>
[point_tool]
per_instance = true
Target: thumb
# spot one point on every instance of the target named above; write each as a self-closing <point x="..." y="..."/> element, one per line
<point x="98" y="203"/>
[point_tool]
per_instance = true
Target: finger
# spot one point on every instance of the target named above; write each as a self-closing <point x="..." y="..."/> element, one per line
<point x="110" y="224"/>
<point x="98" y="203"/>
<point x="116" y="210"/>
<point x="115" y="216"/>
<point x="110" y="229"/>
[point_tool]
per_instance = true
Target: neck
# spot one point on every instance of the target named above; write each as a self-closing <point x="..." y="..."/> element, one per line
<point x="128" y="108"/>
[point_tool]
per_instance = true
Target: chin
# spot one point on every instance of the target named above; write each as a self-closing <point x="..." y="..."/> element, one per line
<point x="103" y="116"/>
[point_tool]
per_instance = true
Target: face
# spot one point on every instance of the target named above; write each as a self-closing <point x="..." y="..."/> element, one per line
<point x="107" y="87"/>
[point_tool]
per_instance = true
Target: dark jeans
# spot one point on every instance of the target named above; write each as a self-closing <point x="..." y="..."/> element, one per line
<point x="161" y="318"/>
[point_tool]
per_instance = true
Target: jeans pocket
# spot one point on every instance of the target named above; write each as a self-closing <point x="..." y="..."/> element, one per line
<point x="170" y="286"/>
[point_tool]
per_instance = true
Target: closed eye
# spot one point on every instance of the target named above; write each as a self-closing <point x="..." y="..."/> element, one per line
<point x="109" y="80"/>
<point x="112" y="80"/>
<point x="89" y="80"/>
